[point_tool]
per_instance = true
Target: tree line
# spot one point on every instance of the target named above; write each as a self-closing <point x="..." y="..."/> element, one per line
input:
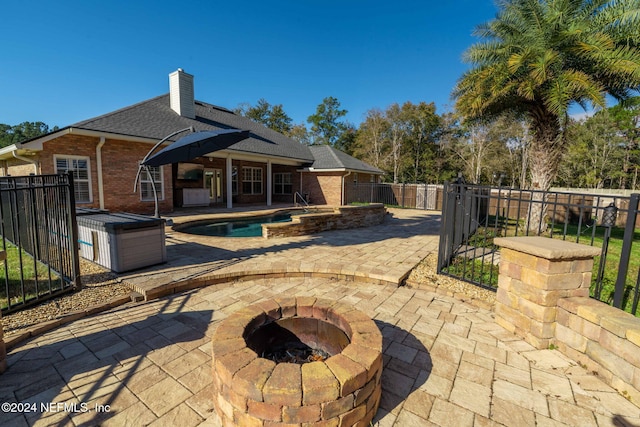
<point x="22" y="132"/>
<point x="412" y="142"/>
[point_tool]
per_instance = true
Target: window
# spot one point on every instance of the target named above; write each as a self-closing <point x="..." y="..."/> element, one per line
<point x="234" y="180"/>
<point x="355" y="177"/>
<point x="81" y="173"/>
<point x="251" y="180"/>
<point x="282" y="183"/>
<point x="146" y="186"/>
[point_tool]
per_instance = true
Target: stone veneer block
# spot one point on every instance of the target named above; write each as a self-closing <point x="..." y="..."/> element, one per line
<point x="341" y="391"/>
<point x="536" y="273"/>
<point x="547" y="248"/>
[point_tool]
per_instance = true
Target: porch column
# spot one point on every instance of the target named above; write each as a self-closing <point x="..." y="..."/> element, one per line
<point x="229" y="182"/>
<point x="269" y="183"/>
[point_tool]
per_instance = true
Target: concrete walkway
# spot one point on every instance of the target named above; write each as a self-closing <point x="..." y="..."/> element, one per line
<point x="446" y="362"/>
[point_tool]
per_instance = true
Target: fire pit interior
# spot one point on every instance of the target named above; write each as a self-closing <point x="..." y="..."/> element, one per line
<point x="299" y="361"/>
<point x="297" y="340"/>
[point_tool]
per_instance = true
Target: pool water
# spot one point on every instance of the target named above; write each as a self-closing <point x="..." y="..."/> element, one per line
<point x="240" y="227"/>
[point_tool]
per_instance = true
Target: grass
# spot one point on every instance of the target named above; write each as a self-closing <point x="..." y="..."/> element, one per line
<point x="475" y="271"/>
<point x="21" y="270"/>
<point x="504" y="227"/>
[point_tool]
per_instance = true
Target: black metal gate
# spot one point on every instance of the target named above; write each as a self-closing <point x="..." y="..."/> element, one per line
<point x="39" y="239"/>
<point x="473" y="215"/>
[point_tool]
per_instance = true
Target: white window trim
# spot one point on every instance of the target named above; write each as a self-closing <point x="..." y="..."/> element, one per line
<point x="144" y="178"/>
<point x="252" y="181"/>
<point x="282" y="184"/>
<point x="57" y="157"/>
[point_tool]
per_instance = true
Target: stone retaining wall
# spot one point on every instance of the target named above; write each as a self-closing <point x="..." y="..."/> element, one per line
<point x="604" y="340"/>
<point x="341" y="218"/>
<point x="543" y="296"/>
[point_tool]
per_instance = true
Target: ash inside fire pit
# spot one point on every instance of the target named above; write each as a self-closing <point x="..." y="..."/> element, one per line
<point x="297" y="340"/>
<point x="296" y="353"/>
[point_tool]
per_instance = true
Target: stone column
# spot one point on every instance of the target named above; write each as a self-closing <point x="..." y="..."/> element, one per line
<point x="535" y="272"/>
<point x="3" y="349"/>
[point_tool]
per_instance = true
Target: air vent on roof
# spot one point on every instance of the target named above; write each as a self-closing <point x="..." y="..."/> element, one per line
<point x="181" y="93"/>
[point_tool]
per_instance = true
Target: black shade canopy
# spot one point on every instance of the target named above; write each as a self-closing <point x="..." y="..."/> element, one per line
<point x="195" y="145"/>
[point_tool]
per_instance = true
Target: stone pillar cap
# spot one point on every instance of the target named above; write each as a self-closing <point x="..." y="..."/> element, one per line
<point x="548" y="248"/>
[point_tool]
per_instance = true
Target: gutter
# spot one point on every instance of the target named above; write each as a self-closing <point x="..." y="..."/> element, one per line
<point x="27" y="160"/>
<point x="342" y="192"/>
<point x="99" y="167"/>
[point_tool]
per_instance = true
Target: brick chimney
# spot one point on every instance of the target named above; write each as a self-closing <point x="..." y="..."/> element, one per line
<point x="181" y="93"/>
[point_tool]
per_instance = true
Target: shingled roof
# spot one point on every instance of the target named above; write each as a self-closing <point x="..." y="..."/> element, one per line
<point x="327" y="157"/>
<point x="155" y="119"/>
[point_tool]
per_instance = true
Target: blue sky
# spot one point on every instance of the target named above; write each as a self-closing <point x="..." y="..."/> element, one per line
<point x="70" y="60"/>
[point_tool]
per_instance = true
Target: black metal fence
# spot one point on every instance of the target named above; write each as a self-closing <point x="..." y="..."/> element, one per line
<point x="473" y="215"/>
<point x="414" y="196"/>
<point x="39" y="239"/>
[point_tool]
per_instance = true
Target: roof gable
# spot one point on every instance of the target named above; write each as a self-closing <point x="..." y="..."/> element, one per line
<point x="327" y="157"/>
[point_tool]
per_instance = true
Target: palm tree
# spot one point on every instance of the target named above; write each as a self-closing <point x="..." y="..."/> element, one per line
<point x="538" y="57"/>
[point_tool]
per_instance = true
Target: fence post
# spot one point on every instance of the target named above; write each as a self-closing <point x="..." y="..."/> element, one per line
<point x="445" y="229"/>
<point x="73" y="232"/>
<point x="3" y="349"/>
<point x="424" y="197"/>
<point x="403" y="190"/>
<point x="623" y="267"/>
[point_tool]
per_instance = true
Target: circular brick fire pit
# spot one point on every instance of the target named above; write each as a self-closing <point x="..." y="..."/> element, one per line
<point x="332" y="377"/>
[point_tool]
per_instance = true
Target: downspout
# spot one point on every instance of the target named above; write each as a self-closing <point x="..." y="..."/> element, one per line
<point x="27" y="160"/>
<point x="342" y="193"/>
<point x="99" y="166"/>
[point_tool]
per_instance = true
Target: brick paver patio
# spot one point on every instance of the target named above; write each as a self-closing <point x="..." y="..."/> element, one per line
<point x="446" y="362"/>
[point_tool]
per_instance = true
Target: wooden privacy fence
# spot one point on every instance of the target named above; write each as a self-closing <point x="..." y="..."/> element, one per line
<point x="413" y="196"/>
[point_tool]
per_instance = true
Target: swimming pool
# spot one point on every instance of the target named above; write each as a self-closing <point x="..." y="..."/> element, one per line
<point x="236" y="227"/>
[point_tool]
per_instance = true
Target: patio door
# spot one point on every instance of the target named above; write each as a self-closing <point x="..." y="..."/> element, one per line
<point x="213" y="183"/>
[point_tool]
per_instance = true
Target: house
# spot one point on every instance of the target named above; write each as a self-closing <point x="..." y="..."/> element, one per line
<point x="104" y="154"/>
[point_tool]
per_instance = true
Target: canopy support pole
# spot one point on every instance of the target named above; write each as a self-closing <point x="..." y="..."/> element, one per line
<point x="153" y="183"/>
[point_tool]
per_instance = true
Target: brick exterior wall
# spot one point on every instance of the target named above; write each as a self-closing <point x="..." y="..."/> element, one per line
<point x="324" y="188"/>
<point x="120" y="163"/>
<point x="18" y="168"/>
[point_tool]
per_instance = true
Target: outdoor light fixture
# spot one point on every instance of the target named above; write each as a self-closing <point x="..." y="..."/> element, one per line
<point x="610" y="215"/>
